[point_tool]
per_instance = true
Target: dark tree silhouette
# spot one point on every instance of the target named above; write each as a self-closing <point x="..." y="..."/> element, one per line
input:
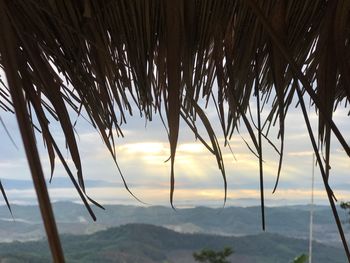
<point x="211" y="256"/>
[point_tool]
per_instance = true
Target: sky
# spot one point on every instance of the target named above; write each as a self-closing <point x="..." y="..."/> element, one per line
<point x="142" y="152"/>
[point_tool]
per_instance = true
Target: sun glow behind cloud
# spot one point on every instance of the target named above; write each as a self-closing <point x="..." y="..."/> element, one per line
<point x="145" y="148"/>
<point x="142" y="157"/>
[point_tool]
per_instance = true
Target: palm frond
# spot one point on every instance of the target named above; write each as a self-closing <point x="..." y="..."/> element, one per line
<point x="165" y="56"/>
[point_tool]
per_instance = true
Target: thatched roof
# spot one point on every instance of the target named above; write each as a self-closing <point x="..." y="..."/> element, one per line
<point x="101" y="57"/>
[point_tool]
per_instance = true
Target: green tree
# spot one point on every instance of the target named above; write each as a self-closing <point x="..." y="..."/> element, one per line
<point x="211" y="256"/>
<point x="300" y="259"/>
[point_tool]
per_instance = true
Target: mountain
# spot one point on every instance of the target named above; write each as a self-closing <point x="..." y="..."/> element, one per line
<point x="152" y="244"/>
<point x="290" y="221"/>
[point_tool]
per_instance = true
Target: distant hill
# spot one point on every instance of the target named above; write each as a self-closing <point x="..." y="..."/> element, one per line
<point x="290" y="221"/>
<point x="151" y="244"/>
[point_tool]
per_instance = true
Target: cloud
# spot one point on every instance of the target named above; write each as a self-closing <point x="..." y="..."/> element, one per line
<point x="147" y="148"/>
<point x="8" y="164"/>
<point x="301" y="153"/>
<point x="191" y="148"/>
<point x="182" y="197"/>
<point x="142" y="153"/>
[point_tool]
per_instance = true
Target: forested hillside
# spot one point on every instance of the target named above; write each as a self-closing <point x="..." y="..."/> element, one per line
<point x="151" y="244"/>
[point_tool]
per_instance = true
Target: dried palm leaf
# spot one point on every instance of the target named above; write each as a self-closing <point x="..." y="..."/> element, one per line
<point x="101" y="57"/>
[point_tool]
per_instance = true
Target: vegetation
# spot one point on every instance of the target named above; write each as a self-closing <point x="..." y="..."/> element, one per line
<point x="211" y="256"/>
<point x="292" y="221"/>
<point x="301" y="259"/>
<point x="150" y="244"/>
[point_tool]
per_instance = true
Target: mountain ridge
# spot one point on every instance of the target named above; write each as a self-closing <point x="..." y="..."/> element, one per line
<point x="145" y="243"/>
<point x="291" y="221"/>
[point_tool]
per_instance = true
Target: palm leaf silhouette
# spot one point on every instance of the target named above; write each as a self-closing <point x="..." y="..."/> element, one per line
<point x="165" y="56"/>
